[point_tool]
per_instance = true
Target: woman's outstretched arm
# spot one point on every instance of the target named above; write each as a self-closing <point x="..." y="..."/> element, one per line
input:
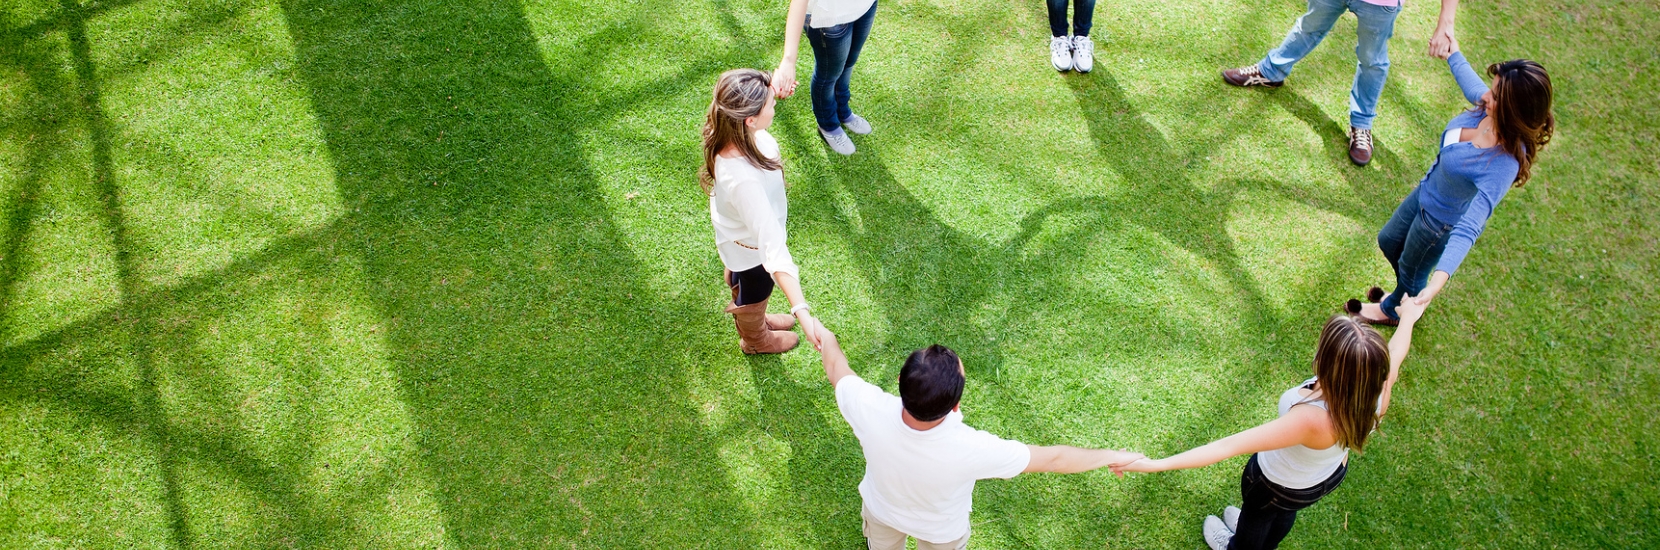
<point x="1292" y="429"/>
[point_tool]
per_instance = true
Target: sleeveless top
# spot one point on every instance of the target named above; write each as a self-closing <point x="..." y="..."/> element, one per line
<point x="1299" y="467"/>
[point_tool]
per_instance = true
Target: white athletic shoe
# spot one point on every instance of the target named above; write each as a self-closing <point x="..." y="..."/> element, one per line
<point x="1217" y="535"/>
<point x="1230" y="518"/>
<point x="1060" y="53"/>
<point x="838" y="141"/>
<point x="857" y="124"/>
<point x="1083" y="54"/>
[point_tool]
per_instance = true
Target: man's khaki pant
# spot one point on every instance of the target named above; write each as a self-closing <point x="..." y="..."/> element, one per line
<point x="882" y="537"/>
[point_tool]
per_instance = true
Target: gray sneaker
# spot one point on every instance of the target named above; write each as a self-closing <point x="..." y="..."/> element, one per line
<point x="1083" y="54"/>
<point x="1217" y="535"/>
<point x="838" y="141"/>
<point x="857" y="124"/>
<point x="1230" y="518"/>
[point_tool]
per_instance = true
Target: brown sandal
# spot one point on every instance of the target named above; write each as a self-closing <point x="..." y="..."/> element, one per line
<point x="1353" y="308"/>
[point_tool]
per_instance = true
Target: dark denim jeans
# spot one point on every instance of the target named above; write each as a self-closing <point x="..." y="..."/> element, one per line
<point x="835" y="50"/>
<point x="1413" y="242"/>
<point x="1083" y="14"/>
<point x="1269" y="510"/>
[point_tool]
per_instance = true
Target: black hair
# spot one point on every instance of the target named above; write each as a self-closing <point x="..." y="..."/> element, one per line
<point x="931" y="383"/>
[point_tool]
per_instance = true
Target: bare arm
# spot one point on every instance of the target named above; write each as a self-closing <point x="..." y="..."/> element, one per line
<point x="1436" y="281"/>
<point x="1292" y="429"/>
<point x="783" y="79"/>
<point x="835" y="362"/>
<point x="1443" y="42"/>
<point x="1410" y="310"/>
<point x="1063" y="459"/>
<point x="792" y="291"/>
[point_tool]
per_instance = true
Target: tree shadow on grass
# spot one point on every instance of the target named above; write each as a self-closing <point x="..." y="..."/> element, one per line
<point x="548" y="387"/>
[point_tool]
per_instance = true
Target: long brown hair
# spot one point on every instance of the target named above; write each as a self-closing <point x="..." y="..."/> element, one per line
<point x="1352" y="363"/>
<point x="1521" y="111"/>
<point x="739" y="94"/>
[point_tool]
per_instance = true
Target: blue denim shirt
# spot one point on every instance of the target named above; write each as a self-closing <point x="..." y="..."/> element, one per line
<point x="1462" y="170"/>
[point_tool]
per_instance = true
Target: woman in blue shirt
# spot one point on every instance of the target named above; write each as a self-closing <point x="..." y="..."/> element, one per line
<point x="1484" y="151"/>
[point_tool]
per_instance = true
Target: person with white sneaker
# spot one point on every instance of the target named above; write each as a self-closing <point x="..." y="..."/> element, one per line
<point x="1303" y="455"/>
<point x="1076" y="52"/>
<point x="837" y="30"/>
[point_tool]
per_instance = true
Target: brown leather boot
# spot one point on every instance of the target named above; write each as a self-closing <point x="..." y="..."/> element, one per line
<point x="775" y="321"/>
<point x="754" y="335"/>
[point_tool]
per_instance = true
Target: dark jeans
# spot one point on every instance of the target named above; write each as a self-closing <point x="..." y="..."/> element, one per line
<point x="835" y="50"/>
<point x="1268" y="510"/>
<point x="1413" y="242"/>
<point x="1083" y="14"/>
<point x="750" y="286"/>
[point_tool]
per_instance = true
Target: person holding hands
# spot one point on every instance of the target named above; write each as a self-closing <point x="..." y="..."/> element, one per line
<point x="1301" y="456"/>
<point x="921" y="460"/>
<point x="1376" y="24"/>
<point x="743" y="174"/>
<point x="837" y="30"/>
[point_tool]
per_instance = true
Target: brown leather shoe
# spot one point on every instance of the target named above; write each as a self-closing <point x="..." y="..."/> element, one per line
<point x="753" y="334"/>
<point x="1360" y="146"/>
<point x="1246" y="77"/>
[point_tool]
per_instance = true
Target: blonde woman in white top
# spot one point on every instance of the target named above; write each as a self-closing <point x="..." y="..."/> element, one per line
<point x="1303" y="455"/>
<point x="744" y="177"/>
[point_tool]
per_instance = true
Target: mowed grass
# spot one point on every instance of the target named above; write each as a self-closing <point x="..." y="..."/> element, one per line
<point x="337" y="274"/>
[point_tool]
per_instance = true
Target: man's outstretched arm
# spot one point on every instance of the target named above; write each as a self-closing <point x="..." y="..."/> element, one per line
<point x="835" y="362"/>
<point x="1063" y="459"/>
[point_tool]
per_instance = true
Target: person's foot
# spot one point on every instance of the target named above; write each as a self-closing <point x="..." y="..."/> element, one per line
<point x="1230" y="518"/>
<point x="1083" y="54"/>
<point x="838" y="141"/>
<point x="1369" y="313"/>
<point x="857" y="124"/>
<point x="1251" y="76"/>
<point x="1060" y="53"/>
<point x="1360" y="145"/>
<point x="1217" y="535"/>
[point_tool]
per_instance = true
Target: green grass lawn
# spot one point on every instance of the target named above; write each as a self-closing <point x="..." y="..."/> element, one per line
<point x="349" y="274"/>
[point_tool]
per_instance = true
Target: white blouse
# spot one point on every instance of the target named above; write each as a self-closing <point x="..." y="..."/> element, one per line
<point x="748" y="209"/>
<point x="829" y="13"/>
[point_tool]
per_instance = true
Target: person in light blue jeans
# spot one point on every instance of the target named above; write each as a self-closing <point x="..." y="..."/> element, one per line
<point x="1376" y="26"/>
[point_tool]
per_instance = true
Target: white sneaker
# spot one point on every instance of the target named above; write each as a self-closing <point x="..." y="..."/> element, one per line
<point x="857" y="124"/>
<point x="838" y="141"/>
<point x="1083" y="54"/>
<point x="1217" y="535"/>
<point x="1060" y="53"/>
<point x="1230" y="518"/>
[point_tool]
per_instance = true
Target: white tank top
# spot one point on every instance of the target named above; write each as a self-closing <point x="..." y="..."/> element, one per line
<point x="1299" y="467"/>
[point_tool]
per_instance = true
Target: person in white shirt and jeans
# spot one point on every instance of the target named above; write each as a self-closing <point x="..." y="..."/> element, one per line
<point x="837" y="30"/>
<point x="921" y="460"/>
<point x="744" y="176"/>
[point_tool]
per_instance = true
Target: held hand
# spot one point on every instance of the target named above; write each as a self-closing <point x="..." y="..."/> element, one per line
<point x="1410" y="310"/>
<point x="1124" y="458"/>
<point x="812" y="329"/>
<point x="1442" y="44"/>
<point x="783" y="80"/>
<point x="1144" y="465"/>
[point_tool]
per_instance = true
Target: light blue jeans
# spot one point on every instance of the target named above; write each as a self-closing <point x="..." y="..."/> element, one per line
<point x="1377" y="24"/>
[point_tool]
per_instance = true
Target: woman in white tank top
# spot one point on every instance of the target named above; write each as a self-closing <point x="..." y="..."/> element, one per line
<point x="1303" y="454"/>
<point x="744" y="177"/>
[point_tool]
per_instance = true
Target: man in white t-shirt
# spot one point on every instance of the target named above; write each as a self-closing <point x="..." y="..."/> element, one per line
<point x="921" y="460"/>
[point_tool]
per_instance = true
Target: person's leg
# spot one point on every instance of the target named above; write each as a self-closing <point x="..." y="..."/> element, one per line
<point x="1057" y="17"/>
<point x="856" y="43"/>
<point x="830" y="46"/>
<point x="1256" y="509"/>
<point x="1278" y="528"/>
<point x="1424" y="243"/>
<point x="879" y="536"/>
<point x="1305" y="34"/>
<point x="750" y="286"/>
<point x="1083" y="16"/>
<point x="958" y="544"/>
<point x="1393" y="235"/>
<point x="1377" y="24"/>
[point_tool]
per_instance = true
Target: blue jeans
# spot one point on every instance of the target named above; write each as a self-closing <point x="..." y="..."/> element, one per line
<point x="1377" y="24"/>
<point x="1083" y="13"/>
<point x="835" y="50"/>
<point x="1413" y="242"/>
